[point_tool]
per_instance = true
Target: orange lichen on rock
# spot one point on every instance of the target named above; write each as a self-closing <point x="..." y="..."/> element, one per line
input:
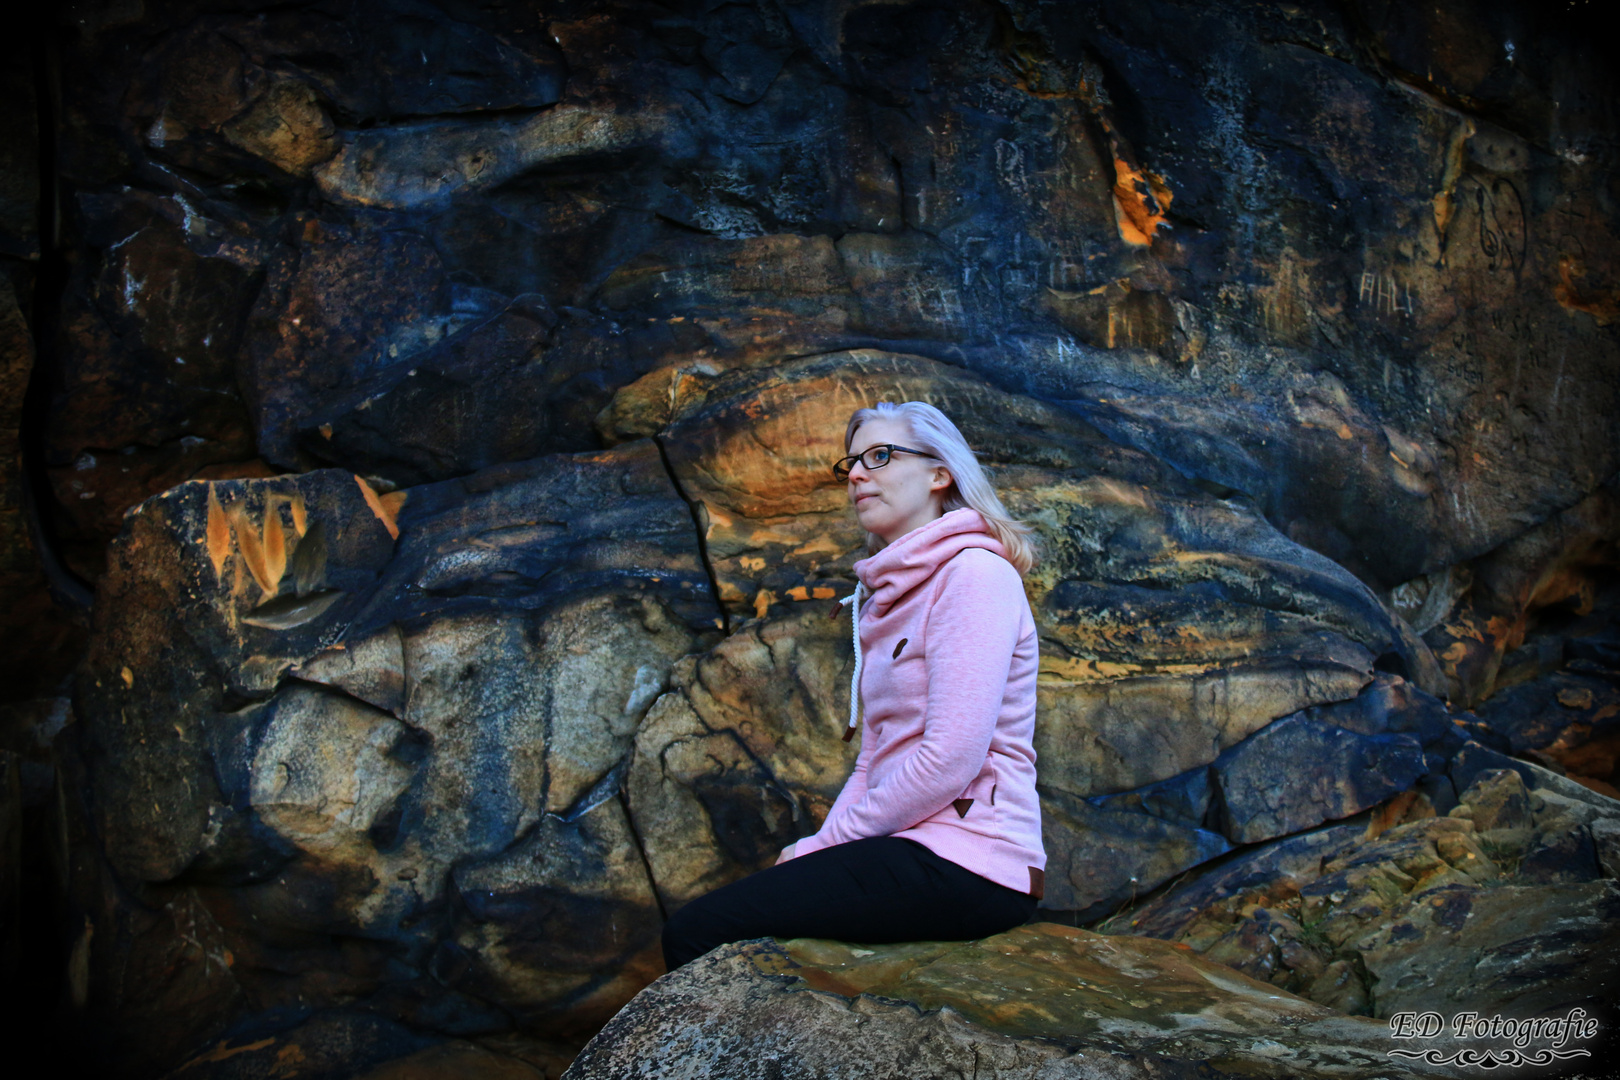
<point x="224" y="1050"/>
<point x="274" y="543"/>
<point x="1141" y="203"/>
<point x="288" y="1058"/>
<point x="1565" y="584"/>
<point x="393" y="502"/>
<point x="1575" y="698"/>
<point x="1604" y="306"/>
<point x="218" y="533"/>
<point x="1445" y="200"/>
<point x="1390" y="814"/>
<point x="247" y="540"/>
<point x="384" y="511"/>
<point x="762" y="602"/>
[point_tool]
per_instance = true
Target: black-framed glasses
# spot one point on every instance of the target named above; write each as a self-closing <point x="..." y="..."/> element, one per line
<point x="873" y="457"/>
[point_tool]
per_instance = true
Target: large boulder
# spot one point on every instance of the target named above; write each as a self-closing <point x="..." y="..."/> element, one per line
<point x="1500" y="907"/>
<point x="319" y="713"/>
<point x="1043" y="1000"/>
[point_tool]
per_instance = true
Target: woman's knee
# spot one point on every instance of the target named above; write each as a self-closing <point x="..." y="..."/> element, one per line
<point x="688" y="934"/>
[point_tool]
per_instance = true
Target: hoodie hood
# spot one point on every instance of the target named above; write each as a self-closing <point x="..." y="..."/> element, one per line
<point x="912" y="559"/>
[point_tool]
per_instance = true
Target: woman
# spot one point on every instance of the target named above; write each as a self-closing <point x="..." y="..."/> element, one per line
<point x="936" y="836"/>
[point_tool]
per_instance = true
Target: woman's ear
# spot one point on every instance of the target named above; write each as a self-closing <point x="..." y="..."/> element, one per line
<point x="941" y="479"/>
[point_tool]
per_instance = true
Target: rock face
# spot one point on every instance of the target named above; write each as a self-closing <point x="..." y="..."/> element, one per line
<point x="413" y="743"/>
<point x="1500" y="907"/>
<point x="438" y="399"/>
<point x="1041" y="1000"/>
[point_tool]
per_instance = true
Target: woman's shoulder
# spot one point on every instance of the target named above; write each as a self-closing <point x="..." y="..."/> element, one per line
<point x="979" y="590"/>
<point x="980" y="567"/>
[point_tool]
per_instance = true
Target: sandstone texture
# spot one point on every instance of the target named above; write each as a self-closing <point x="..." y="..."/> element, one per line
<point x="1039" y="1001"/>
<point x="417" y="541"/>
<point x="1500" y="907"/>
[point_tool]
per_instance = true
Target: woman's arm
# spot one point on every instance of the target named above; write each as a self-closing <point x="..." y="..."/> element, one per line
<point x="972" y="631"/>
<point x="853" y="791"/>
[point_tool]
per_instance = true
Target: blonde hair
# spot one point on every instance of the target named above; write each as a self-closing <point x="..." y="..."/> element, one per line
<point x="932" y="431"/>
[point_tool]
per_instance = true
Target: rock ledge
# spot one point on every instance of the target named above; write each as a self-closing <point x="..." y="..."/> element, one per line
<point x="1039" y="1001"/>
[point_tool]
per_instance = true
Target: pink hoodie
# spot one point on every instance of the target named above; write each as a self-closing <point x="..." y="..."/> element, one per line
<point x="948" y="687"/>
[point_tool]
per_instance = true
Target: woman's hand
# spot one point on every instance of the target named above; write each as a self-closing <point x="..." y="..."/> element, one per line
<point x="787" y="854"/>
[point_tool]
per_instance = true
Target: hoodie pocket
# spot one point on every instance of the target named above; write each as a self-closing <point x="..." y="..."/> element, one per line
<point x="978" y="799"/>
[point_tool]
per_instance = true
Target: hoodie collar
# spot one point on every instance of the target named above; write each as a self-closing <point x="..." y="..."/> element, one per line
<point x="912" y="559"/>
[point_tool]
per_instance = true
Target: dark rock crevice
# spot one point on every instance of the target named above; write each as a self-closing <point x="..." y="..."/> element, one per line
<point x="641" y="850"/>
<point x="50" y="280"/>
<point x="700" y="532"/>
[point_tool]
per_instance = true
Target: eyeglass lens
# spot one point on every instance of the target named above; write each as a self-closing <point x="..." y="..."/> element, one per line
<point x="873" y="458"/>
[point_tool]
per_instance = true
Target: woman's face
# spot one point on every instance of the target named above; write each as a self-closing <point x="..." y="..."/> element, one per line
<point x="905" y="494"/>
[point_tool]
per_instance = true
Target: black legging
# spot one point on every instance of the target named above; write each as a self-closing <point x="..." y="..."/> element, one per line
<point x="870" y="892"/>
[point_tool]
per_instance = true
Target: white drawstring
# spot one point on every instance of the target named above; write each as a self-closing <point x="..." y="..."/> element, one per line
<point x="854" y="602"/>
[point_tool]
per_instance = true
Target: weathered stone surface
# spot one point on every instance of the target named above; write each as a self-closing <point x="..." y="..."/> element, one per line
<point x="16" y="365"/>
<point x="1161" y="653"/>
<point x="1296" y="774"/>
<point x="1273" y="871"/>
<point x="181" y="629"/>
<point x="528" y="534"/>
<point x="1042" y="1000"/>
<point x="753" y="448"/>
<point x="28" y="729"/>
<point x="744" y="755"/>
<point x="1606" y="838"/>
<point x="1468" y="948"/>
<point x="1100" y="859"/>
<point x="1512" y="620"/>
<point x="1179" y="666"/>
<point x="416" y="60"/>
<point x="149" y="974"/>
<point x="1473" y="760"/>
<point x="416" y="744"/>
<point x="1103" y="736"/>
<point x="1572" y="717"/>
<point x="337" y="304"/>
<point x="1497" y="802"/>
<point x="1282" y="325"/>
<point x="199" y="102"/>
<point x="1498" y="907"/>
<point x="145" y="395"/>
<point x="530" y="930"/>
<point x="452" y="1060"/>
<point x="994" y="199"/>
<point x="1321" y="764"/>
<point x="409" y="167"/>
<point x="347" y="1043"/>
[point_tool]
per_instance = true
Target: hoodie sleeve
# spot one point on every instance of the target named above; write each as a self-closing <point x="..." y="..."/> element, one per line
<point x="973" y="629"/>
<point x="853" y="792"/>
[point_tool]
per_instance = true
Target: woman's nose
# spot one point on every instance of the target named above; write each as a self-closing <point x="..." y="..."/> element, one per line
<point x="858" y="471"/>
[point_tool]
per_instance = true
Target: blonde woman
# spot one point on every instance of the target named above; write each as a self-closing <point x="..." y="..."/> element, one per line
<point x="936" y="836"/>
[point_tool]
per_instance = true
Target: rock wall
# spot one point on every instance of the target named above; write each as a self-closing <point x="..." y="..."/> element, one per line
<point x="439" y="398"/>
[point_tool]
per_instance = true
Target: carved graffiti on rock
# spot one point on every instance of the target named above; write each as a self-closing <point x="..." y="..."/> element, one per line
<point x="1384" y="294"/>
<point x="1499" y="228"/>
